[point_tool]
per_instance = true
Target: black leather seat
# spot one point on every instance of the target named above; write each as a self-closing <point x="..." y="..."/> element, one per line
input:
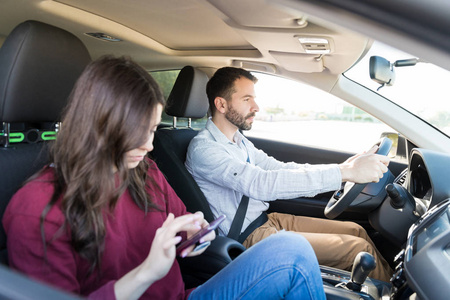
<point x="39" y="65"/>
<point x="188" y="100"/>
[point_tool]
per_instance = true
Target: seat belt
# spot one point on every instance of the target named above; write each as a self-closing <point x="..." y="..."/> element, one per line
<point x="238" y="220"/>
<point x="253" y="225"/>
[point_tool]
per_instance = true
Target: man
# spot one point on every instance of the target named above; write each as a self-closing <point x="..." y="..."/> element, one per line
<point x="226" y="166"/>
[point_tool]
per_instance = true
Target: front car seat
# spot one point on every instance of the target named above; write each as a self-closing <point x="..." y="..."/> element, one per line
<point x="39" y="64"/>
<point x="188" y="100"/>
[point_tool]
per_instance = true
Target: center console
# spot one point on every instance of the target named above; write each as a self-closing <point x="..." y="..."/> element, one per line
<point x="336" y="285"/>
<point x="424" y="264"/>
<point x="422" y="267"/>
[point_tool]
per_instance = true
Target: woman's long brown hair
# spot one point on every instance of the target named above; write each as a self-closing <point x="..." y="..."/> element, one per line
<point x="108" y="114"/>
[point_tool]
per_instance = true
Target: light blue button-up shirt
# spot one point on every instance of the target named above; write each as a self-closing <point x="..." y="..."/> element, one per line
<point x="221" y="169"/>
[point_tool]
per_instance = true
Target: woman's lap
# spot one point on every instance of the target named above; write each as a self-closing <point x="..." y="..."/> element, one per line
<point x="282" y="266"/>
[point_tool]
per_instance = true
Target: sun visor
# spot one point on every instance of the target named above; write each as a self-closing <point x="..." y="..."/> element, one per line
<point x="299" y="62"/>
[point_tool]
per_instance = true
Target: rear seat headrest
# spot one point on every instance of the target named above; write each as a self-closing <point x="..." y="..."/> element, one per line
<point x="188" y="96"/>
<point x="39" y="65"/>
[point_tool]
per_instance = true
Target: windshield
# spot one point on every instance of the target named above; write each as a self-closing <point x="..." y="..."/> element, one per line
<point x="422" y="89"/>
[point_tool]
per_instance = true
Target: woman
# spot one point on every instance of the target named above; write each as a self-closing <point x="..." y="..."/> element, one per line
<point x="101" y="221"/>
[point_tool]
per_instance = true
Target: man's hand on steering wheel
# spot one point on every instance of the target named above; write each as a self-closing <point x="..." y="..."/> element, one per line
<point x="357" y="172"/>
<point x="365" y="167"/>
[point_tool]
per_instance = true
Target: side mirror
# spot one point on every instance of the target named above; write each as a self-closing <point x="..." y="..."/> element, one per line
<point x="394" y="138"/>
<point x="381" y="71"/>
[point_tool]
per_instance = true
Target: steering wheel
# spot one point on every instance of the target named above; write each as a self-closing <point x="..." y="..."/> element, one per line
<point x="342" y="198"/>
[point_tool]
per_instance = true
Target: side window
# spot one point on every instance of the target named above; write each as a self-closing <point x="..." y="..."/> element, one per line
<point x="166" y="80"/>
<point x="297" y="113"/>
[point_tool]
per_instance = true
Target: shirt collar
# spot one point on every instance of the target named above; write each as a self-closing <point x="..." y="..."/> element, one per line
<point x="219" y="136"/>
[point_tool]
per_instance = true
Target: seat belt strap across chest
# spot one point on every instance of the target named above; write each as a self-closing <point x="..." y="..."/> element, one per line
<point x="238" y="220"/>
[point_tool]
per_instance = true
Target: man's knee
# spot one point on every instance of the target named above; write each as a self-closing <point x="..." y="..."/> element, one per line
<point x="362" y="245"/>
<point x="357" y="230"/>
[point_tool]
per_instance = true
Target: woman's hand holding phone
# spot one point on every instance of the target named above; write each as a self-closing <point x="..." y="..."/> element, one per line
<point x="163" y="250"/>
<point x="199" y="240"/>
<point x="161" y="255"/>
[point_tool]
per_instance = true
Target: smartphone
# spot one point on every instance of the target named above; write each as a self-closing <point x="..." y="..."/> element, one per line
<point x="201" y="233"/>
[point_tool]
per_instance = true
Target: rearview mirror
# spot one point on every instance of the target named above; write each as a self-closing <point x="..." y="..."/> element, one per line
<point x="381" y="71"/>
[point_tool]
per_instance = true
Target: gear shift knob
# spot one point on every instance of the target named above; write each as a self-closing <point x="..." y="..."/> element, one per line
<point x="364" y="263"/>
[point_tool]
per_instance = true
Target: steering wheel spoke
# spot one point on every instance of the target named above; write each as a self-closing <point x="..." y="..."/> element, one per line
<point x="342" y="198"/>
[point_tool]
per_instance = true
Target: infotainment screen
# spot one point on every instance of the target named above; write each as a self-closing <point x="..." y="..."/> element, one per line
<point x="430" y="230"/>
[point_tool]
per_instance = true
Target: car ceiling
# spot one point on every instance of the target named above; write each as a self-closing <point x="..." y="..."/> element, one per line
<point x="254" y="34"/>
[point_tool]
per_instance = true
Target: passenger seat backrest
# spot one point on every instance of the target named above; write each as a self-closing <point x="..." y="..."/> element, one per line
<point x="188" y="100"/>
<point x="39" y="65"/>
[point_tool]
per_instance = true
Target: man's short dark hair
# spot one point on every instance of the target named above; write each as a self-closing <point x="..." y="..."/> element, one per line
<point x="221" y="84"/>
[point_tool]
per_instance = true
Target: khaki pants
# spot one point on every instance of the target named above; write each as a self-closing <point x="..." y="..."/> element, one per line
<point x="335" y="243"/>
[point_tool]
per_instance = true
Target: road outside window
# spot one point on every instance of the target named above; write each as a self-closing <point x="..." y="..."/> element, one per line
<point x="300" y="114"/>
<point x="297" y="113"/>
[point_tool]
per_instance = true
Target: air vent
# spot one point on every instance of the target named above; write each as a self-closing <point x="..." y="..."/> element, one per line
<point x="401" y="178"/>
<point x="315" y="45"/>
<point x="103" y="36"/>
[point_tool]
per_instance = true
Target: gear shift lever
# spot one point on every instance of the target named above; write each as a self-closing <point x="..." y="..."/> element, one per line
<point x="364" y="263"/>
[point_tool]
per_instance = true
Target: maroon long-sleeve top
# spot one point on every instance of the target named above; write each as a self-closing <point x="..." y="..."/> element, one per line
<point x="129" y="234"/>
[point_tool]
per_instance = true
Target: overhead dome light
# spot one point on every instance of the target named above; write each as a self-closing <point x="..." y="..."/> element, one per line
<point x="103" y="36"/>
<point x="315" y="45"/>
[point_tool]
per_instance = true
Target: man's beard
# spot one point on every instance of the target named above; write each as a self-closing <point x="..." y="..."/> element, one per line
<point x="239" y="121"/>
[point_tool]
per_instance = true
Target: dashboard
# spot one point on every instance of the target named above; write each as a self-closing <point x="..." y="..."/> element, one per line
<point x="438" y="223"/>
<point x="424" y="263"/>
<point x="419" y="224"/>
<point x="422" y="266"/>
<point x="420" y="183"/>
<point x="428" y="178"/>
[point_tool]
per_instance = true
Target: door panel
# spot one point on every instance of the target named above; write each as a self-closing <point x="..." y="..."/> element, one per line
<point x="313" y="206"/>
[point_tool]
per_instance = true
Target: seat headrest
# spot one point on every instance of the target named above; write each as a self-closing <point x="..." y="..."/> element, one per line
<point x="39" y="65"/>
<point x="188" y="96"/>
